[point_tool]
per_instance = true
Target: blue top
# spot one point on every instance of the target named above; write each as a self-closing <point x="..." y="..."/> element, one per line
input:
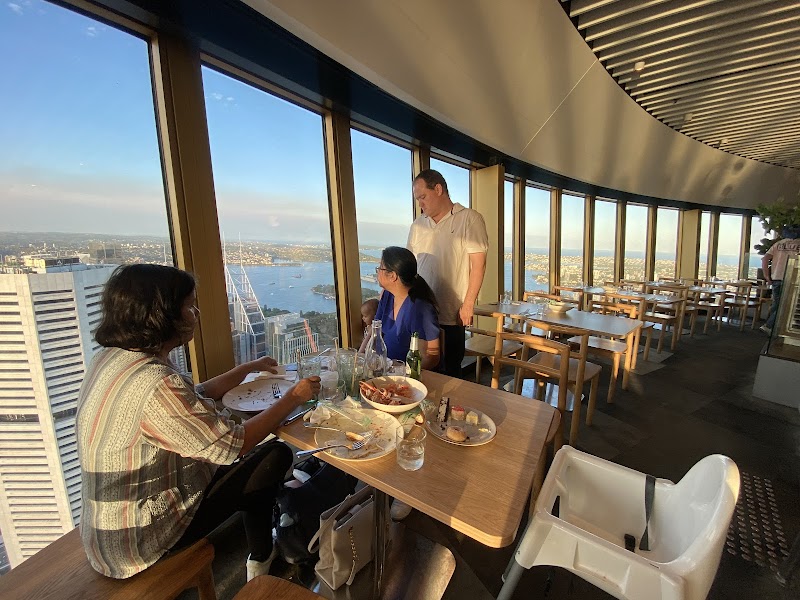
<point x="419" y="316"/>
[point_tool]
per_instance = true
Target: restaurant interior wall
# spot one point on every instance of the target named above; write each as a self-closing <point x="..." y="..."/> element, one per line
<point x="191" y="204"/>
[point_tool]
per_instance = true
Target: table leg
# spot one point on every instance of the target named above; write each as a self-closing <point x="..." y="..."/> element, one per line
<point x="628" y="358"/>
<point x="379" y="540"/>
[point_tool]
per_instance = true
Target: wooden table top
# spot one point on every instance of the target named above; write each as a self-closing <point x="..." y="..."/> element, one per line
<point x="609" y="325"/>
<point x="480" y="491"/>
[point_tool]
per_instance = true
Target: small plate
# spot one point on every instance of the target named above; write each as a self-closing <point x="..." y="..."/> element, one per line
<point x="477" y="435"/>
<point x="254" y="396"/>
<point x="383" y="424"/>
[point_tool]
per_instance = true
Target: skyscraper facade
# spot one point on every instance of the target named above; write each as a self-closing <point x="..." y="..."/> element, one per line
<point x="48" y="310"/>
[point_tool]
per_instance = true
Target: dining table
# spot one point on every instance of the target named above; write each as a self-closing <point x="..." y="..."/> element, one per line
<point x="609" y="326"/>
<point x="480" y="491"/>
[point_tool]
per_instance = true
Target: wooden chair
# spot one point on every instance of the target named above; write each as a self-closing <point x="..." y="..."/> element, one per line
<point x="570" y="294"/>
<point x="668" y="315"/>
<point x="267" y="587"/>
<point x="686" y="307"/>
<point x="548" y="364"/>
<point x="543" y="295"/>
<point x="740" y="299"/>
<point x="481" y="344"/>
<point x="711" y="304"/>
<point x="610" y="348"/>
<point x="61" y="571"/>
<point x="559" y="372"/>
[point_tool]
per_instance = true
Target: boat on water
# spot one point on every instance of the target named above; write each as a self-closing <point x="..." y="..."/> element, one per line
<point x="291" y="286"/>
<point x="298" y="276"/>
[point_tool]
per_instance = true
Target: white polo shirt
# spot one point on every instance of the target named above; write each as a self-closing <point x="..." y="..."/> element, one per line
<point x="442" y="250"/>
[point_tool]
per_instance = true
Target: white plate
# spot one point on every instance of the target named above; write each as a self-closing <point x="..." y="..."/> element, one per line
<point x="477" y="435"/>
<point x="383" y="443"/>
<point x="419" y="392"/>
<point x="254" y="396"/>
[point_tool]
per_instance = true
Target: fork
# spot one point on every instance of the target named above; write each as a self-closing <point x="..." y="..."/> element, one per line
<point x="276" y="391"/>
<point x="354" y="446"/>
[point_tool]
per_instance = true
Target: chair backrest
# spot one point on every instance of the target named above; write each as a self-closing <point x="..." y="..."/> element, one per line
<point x="691" y="519"/>
<point x="537" y="344"/>
<point x="634" y="284"/>
<point x="614" y="304"/>
<point x="538" y="294"/>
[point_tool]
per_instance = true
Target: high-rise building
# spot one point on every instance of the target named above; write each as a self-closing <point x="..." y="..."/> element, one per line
<point x="248" y="329"/>
<point x="288" y="334"/>
<point x="48" y="311"/>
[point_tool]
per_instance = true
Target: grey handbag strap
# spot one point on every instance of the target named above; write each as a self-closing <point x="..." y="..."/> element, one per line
<point x="649" y="497"/>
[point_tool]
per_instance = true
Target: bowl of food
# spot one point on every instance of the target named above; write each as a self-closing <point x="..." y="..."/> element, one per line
<point x="393" y="393"/>
<point x="560" y="307"/>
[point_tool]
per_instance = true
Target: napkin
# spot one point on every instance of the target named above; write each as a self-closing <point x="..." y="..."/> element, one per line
<point x="281" y="374"/>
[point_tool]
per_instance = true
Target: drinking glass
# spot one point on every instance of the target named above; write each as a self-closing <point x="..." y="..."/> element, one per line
<point x="411" y="448"/>
<point x="309" y="366"/>
<point x="329" y="384"/>
<point x="397" y="367"/>
<point x="351" y="370"/>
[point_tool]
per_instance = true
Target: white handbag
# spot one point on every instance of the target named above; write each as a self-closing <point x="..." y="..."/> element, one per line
<point x="344" y="539"/>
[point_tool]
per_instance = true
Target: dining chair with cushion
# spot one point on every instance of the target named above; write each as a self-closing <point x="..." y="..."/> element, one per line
<point x="631" y="535"/>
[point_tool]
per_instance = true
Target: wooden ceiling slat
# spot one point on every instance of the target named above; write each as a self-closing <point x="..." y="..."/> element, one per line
<point x="712" y="69"/>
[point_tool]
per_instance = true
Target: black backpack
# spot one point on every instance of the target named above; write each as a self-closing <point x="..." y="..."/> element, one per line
<point x="303" y="505"/>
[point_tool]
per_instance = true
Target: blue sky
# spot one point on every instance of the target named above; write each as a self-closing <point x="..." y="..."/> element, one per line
<point x="81" y="151"/>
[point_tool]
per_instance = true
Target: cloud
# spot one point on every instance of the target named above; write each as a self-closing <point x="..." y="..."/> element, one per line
<point x="15" y="8"/>
<point x="91" y="31"/>
<point x="222" y="99"/>
<point x="216" y="96"/>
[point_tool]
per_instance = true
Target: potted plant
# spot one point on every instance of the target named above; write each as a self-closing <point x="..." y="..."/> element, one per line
<point x="782" y="218"/>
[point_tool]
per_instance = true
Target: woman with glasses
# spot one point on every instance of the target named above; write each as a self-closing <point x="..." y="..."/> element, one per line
<point x="161" y="467"/>
<point x="407" y="306"/>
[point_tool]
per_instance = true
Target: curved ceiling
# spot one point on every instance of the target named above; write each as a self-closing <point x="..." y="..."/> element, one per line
<point x="724" y="72"/>
<point x="516" y="75"/>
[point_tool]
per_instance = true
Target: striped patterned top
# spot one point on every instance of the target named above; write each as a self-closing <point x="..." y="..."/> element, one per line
<point x="148" y="446"/>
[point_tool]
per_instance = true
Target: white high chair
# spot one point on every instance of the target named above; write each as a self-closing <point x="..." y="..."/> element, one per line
<point x="601" y="503"/>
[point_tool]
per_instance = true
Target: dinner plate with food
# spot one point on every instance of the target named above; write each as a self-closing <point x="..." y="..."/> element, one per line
<point x="393" y="393"/>
<point x="256" y="395"/>
<point x="344" y="428"/>
<point x="460" y="425"/>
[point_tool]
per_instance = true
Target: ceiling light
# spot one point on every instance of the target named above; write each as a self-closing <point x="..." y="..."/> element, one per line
<point x="723" y="142"/>
<point x="688" y="117"/>
<point x="638" y="65"/>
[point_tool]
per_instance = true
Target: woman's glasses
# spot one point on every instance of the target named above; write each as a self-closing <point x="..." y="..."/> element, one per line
<point x="382" y="269"/>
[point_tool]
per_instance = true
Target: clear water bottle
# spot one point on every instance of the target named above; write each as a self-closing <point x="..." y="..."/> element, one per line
<point x="375" y="358"/>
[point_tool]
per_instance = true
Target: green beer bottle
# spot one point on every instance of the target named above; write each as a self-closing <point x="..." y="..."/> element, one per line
<point x="414" y="358"/>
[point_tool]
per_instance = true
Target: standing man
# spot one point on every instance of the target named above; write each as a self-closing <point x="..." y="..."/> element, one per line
<point x="450" y="243"/>
<point x="779" y="254"/>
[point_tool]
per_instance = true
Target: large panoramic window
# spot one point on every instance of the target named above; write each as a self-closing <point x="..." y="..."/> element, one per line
<point x="571" y="239"/>
<point x="703" y="272"/>
<point x="635" y="241"/>
<point x="457" y="179"/>
<point x="508" y="236"/>
<point x="758" y="235"/>
<point x="272" y="201"/>
<point x="537" y="238"/>
<point x="384" y="203"/>
<point x="81" y="191"/>
<point x="729" y="246"/>
<point x="605" y="228"/>
<point x="666" y="242"/>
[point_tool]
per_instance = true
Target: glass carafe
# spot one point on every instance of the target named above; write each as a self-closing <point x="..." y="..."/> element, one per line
<point x="375" y="357"/>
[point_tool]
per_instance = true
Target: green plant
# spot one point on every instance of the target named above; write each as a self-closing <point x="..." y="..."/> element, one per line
<point x="778" y="217"/>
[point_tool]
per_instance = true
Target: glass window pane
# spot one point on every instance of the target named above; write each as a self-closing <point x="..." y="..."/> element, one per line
<point x="635" y="241"/>
<point x="758" y="235"/>
<point x="571" y="239"/>
<point x="457" y="179"/>
<point x="729" y="246"/>
<point x="666" y="242"/>
<point x="80" y="158"/>
<point x="605" y="228"/>
<point x="508" y="235"/>
<point x="537" y="239"/>
<point x="705" y="230"/>
<point x="384" y="203"/>
<point x="272" y="201"/>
